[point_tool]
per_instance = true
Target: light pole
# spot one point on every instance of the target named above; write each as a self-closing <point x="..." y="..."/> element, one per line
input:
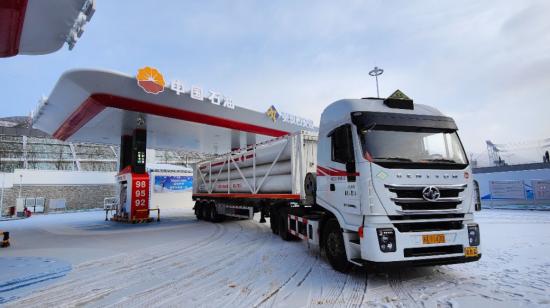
<point x="20" y="183"/>
<point x="376" y="72"/>
<point x="2" y="196"/>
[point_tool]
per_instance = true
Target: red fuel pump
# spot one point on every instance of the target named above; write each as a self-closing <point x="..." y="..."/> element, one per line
<point x="133" y="180"/>
<point x="134" y="197"/>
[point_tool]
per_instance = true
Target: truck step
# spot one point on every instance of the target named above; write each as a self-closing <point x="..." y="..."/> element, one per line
<point x="357" y="261"/>
<point x="353" y="246"/>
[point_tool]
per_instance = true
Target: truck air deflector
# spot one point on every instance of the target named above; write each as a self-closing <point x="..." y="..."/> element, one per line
<point x="413" y="121"/>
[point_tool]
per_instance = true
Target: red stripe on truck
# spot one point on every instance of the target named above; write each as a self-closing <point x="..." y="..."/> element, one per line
<point x="322" y="171"/>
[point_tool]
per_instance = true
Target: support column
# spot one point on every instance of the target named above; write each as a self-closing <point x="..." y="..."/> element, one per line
<point x="138" y="151"/>
<point x="125" y="152"/>
<point x="250" y="139"/>
<point x="235" y="140"/>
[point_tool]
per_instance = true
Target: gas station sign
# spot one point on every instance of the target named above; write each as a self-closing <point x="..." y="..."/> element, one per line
<point x="140" y="198"/>
<point x="273" y="114"/>
<point x="152" y="81"/>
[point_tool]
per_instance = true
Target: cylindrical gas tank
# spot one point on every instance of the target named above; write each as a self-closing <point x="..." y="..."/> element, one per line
<point x="272" y="184"/>
<point x="281" y="167"/>
<point x="265" y="153"/>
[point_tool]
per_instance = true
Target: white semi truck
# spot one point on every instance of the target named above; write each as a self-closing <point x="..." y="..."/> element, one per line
<point x="384" y="181"/>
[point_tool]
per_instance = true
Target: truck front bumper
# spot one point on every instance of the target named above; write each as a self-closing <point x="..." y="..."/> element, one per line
<point x="420" y="262"/>
<point x="410" y="248"/>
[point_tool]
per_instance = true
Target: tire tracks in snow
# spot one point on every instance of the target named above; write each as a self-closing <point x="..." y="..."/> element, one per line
<point x="395" y="280"/>
<point x="76" y="290"/>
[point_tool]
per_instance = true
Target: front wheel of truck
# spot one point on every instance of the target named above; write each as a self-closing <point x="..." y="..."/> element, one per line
<point x="335" y="249"/>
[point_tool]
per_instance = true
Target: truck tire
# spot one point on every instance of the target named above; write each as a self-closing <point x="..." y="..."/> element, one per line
<point x="274" y="220"/>
<point x="214" y="216"/>
<point x="205" y="211"/>
<point x="198" y="210"/>
<point x="283" y="225"/>
<point x="335" y="249"/>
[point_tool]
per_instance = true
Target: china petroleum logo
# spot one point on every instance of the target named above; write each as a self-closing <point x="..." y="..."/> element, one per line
<point x="150" y="80"/>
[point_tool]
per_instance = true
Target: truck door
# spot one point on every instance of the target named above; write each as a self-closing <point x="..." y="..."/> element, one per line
<point x="343" y="192"/>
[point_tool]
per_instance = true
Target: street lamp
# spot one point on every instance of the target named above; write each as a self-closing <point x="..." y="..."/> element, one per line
<point x="2" y="196"/>
<point x="376" y="72"/>
<point x="20" y="183"/>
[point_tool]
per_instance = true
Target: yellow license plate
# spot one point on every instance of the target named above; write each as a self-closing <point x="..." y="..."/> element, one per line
<point x="470" y="251"/>
<point x="433" y="238"/>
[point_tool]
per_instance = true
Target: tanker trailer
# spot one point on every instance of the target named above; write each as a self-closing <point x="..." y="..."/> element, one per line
<point x="251" y="180"/>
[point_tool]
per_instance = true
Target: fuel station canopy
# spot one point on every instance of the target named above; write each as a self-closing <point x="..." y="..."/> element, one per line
<point x="35" y="27"/>
<point x="99" y="106"/>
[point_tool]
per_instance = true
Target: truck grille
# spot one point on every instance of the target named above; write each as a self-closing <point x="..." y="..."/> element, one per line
<point x="431" y="222"/>
<point x="429" y="226"/>
<point x="410" y="199"/>
<point x="432" y="251"/>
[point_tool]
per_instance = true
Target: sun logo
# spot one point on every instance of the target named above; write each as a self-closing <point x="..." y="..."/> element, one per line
<point x="150" y="80"/>
<point x="272" y="113"/>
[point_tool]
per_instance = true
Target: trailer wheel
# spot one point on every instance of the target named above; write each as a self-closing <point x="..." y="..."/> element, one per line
<point x="283" y="225"/>
<point x="205" y="208"/>
<point x="198" y="210"/>
<point x="274" y="220"/>
<point x="334" y="246"/>
<point x="212" y="212"/>
<point x="214" y="216"/>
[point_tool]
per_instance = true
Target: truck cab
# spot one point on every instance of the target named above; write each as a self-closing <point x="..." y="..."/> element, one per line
<point x="383" y="181"/>
<point x="396" y="178"/>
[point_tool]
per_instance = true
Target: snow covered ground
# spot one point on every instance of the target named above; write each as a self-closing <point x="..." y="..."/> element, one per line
<point x="184" y="262"/>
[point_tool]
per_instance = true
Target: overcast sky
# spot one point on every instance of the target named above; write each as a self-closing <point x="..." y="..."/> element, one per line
<point x="486" y="63"/>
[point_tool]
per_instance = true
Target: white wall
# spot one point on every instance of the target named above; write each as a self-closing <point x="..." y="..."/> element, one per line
<point x="524" y="175"/>
<point x="171" y="200"/>
<point x="166" y="200"/>
<point x="54" y="177"/>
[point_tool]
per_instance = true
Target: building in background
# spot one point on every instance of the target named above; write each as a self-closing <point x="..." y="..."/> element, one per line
<point x="69" y="175"/>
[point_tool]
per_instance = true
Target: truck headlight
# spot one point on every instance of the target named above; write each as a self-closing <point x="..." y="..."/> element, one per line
<point x="386" y="239"/>
<point x="473" y="235"/>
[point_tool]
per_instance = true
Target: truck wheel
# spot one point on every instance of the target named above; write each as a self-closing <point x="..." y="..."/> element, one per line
<point x="283" y="226"/>
<point x="198" y="210"/>
<point x="214" y="216"/>
<point x="212" y="212"/>
<point x="205" y="208"/>
<point x="274" y="220"/>
<point x="334" y="246"/>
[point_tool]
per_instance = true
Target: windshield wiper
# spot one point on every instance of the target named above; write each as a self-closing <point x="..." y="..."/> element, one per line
<point x="393" y="158"/>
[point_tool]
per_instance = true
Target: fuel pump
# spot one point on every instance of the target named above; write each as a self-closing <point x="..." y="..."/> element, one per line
<point x="133" y="180"/>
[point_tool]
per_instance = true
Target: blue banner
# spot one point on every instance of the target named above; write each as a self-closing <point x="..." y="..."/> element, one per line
<point x="171" y="183"/>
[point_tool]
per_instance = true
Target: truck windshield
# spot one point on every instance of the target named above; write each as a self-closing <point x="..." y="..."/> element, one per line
<point x="425" y="149"/>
